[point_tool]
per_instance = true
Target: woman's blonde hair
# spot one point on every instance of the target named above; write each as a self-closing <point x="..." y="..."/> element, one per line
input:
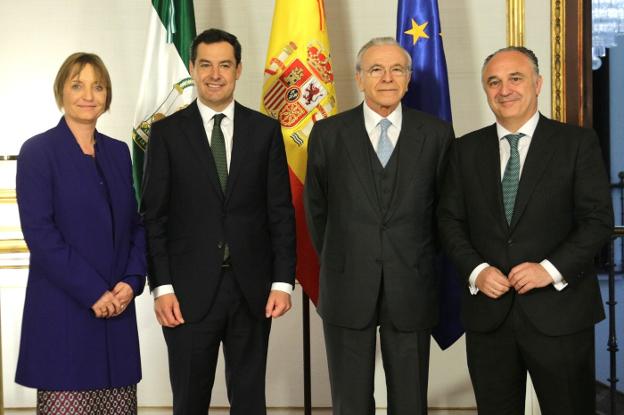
<point x="73" y="66"/>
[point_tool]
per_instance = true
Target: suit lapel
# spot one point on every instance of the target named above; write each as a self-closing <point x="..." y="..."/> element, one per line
<point x="410" y="143"/>
<point x="85" y="169"/>
<point x="357" y="145"/>
<point x="112" y="177"/>
<point x="193" y="129"/>
<point x="85" y="175"/>
<point x="487" y="165"/>
<point x="240" y="146"/>
<point x="540" y="151"/>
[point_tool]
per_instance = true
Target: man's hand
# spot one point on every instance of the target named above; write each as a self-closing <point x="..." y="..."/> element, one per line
<point x="107" y="306"/>
<point x="527" y="276"/>
<point x="278" y="304"/>
<point x="167" y="311"/>
<point x="124" y="294"/>
<point x="492" y="282"/>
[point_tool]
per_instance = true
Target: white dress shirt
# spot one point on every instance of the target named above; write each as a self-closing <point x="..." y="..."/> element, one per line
<point x="371" y="123"/>
<point x="528" y="129"/>
<point x="227" y="126"/>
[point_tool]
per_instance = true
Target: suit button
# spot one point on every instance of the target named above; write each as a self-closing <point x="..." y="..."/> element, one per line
<point x="509" y="242"/>
<point x="220" y="244"/>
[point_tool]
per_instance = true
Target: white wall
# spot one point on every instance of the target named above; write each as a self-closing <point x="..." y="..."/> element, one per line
<point x="37" y="35"/>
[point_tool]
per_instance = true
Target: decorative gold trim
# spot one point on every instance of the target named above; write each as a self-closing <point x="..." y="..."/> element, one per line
<point x="13" y="267"/>
<point x="8" y="196"/>
<point x="515" y="22"/>
<point x="1" y="373"/>
<point x="13" y="246"/>
<point x="557" y="60"/>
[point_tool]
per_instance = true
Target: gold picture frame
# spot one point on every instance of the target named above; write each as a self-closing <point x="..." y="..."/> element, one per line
<point x="515" y="37"/>
<point x="515" y="22"/>
<point x="557" y="59"/>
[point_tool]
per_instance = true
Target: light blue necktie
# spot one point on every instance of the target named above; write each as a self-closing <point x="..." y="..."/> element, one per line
<point x="384" y="147"/>
<point x="511" y="177"/>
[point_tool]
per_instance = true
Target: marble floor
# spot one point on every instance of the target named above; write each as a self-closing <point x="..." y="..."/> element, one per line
<point x="282" y="411"/>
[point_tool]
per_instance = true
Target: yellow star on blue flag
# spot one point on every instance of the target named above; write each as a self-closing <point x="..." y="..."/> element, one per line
<point x="417" y="31"/>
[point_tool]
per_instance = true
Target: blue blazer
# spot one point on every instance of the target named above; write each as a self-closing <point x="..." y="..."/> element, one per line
<point x="80" y="246"/>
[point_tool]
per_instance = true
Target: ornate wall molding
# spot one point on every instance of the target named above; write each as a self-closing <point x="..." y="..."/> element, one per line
<point x="515" y="22"/>
<point x="7" y="196"/>
<point x="557" y="59"/>
<point x="9" y="242"/>
<point x="13" y="246"/>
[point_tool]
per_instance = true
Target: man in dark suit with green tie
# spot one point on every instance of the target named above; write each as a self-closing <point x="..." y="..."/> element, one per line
<point x="524" y="209"/>
<point x="221" y="234"/>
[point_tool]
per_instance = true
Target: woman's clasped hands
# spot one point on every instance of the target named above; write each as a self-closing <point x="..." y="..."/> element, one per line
<point x="113" y="303"/>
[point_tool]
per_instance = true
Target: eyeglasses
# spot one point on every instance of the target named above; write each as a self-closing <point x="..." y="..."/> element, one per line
<point x="377" y="71"/>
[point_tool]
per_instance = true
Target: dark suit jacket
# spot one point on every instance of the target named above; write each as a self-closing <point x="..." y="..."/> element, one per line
<point x="563" y="213"/>
<point x="189" y="220"/>
<point x="348" y="229"/>
<point x="80" y="246"/>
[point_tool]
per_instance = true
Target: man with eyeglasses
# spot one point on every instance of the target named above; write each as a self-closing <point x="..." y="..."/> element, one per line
<point x="221" y="234"/>
<point x="370" y="195"/>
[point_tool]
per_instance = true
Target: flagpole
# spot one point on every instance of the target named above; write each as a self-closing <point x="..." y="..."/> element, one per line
<point x="307" y="380"/>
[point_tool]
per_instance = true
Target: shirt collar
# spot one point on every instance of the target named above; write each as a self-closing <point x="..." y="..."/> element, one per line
<point x="528" y="128"/>
<point x="371" y="118"/>
<point x="207" y="113"/>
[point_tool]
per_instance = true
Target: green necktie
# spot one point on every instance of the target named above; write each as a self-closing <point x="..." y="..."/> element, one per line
<point x="511" y="178"/>
<point x="217" y="145"/>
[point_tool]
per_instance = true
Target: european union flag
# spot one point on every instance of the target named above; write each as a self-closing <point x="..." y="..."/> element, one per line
<point x="419" y="32"/>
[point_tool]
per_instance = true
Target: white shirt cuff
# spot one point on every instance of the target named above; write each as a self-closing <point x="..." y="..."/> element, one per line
<point x="473" y="277"/>
<point x="558" y="281"/>
<point x="168" y="289"/>
<point x="162" y="290"/>
<point x="282" y="286"/>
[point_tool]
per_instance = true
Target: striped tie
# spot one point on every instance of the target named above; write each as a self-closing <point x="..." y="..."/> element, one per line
<point x="217" y="145"/>
<point x="511" y="178"/>
<point x="384" y="147"/>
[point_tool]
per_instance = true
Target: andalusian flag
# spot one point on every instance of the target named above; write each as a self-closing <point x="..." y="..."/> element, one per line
<point x="298" y="91"/>
<point x="166" y="85"/>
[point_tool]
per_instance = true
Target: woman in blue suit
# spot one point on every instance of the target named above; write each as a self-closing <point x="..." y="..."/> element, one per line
<point x="79" y="344"/>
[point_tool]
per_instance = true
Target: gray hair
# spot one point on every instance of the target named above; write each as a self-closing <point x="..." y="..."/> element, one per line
<point x="380" y="41"/>
<point x="525" y="51"/>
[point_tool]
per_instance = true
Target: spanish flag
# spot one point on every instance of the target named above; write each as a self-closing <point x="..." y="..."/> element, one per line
<point x="298" y="91"/>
